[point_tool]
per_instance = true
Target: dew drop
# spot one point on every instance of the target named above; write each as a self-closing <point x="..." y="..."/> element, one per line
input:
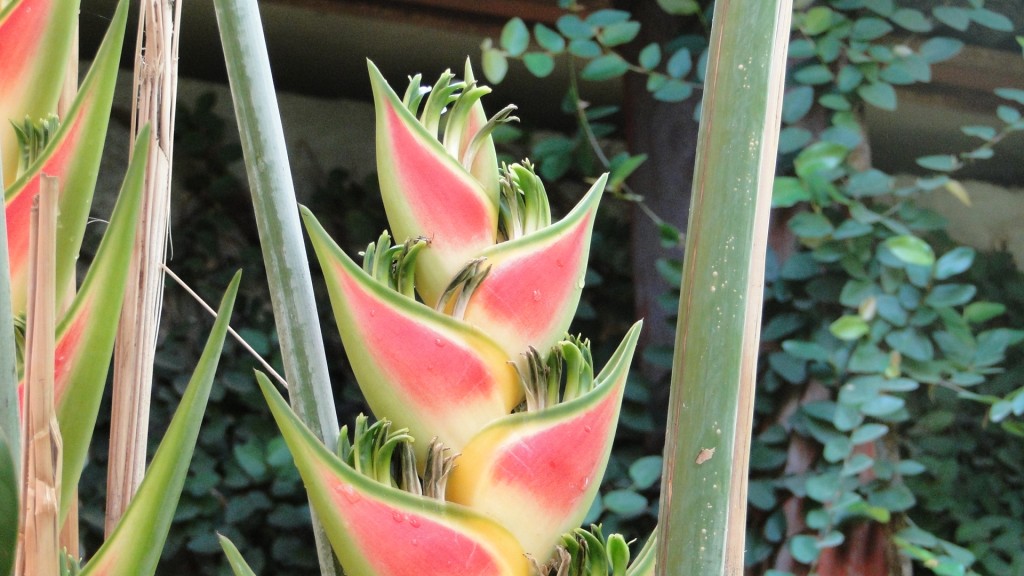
<point x="581" y="283"/>
<point x="397" y="516"/>
<point x="349" y="493"/>
<point x="414" y="522"/>
<point x="536" y="295"/>
<point x="415" y="542"/>
<point x="587" y="428"/>
<point x="559" y="263"/>
<point x="584" y="483"/>
<point x="439" y="343"/>
<point x="372" y="313"/>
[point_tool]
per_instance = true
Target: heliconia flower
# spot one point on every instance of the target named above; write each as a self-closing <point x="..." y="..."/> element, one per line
<point x="427" y="190"/>
<point x="379" y="530"/>
<point x="73" y="155"/>
<point x="422" y="369"/>
<point x="534" y="282"/>
<point x="85" y="335"/>
<point x="36" y="37"/>
<point x="538" y="472"/>
<point x="134" y="548"/>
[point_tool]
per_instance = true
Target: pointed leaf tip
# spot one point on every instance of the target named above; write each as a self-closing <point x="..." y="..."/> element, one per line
<point x="134" y="547"/>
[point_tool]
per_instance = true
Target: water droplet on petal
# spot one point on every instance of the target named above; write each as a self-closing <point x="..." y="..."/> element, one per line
<point x="397" y="516"/>
<point x="439" y="343"/>
<point x="581" y="283"/>
<point x="414" y="522"/>
<point x="584" y="483"/>
<point x="372" y="313"/>
<point x="536" y="295"/>
<point x="415" y="542"/>
<point x="349" y="493"/>
<point x="587" y="428"/>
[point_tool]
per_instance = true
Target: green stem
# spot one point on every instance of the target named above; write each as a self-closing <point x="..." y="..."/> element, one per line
<point x="704" y="495"/>
<point x="277" y="219"/>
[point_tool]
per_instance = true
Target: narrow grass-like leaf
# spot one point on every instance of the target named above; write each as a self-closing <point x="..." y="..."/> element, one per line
<point x="704" y="494"/>
<point x="135" y="546"/>
<point x="377" y="530"/>
<point x="537" y="473"/>
<point x="73" y="156"/>
<point x="238" y="564"/>
<point x="36" y="36"/>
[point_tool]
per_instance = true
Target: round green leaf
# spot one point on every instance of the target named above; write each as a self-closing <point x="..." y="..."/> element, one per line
<point x="604" y="68"/>
<point x="584" y="48"/>
<point x="573" y="28"/>
<point x="954" y="262"/>
<point x="607" y="17"/>
<point x="912" y="20"/>
<point x="680" y="63"/>
<point x="978" y="312"/>
<point x="868" y="433"/>
<point x="878" y="94"/>
<point x="820" y="157"/>
<point x="673" y="91"/>
<point x="515" y="37"/>
<point x="548" y="39"/>
<point x="849" y="327"/>
<point x="990" y="19"/>
<point x="870" y="28"/>
<point x="940" y="49"/>
<point x="495" y="65"/>
<point x="813" y="75"/>
<point x="810" y="225"/>
<point x="804" y="548"/>
<point x="645" y="472"/>
<point x="882" y="405"/>
<point x="817" y="20"/>
<point x="797" y="103"/>
<point x="680" y="7"/>
<point x="650" y="56"/>
<point x="619" y="33"/>
<point x="939" y="162"/>
<point x="625" y="503"/>
<point x="540" y="64"/>
<point x="911" y="250"/>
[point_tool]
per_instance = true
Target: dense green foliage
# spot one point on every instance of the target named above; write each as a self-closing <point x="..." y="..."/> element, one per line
<point x="878" y="356"/>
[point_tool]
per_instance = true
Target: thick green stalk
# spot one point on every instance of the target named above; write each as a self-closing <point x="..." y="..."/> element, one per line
<point x="10" y="427"/>
<point x="277" y="218"/>
<point x="704" y="496"/>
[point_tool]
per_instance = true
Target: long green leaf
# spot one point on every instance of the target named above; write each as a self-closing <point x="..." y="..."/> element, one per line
<point x="8" y="506"/>
<point x="235" y="559"/>
<point x="703" y="507"/>
<point x="10" y="426"/>
<point x="135" y="546"/>
<point x="277" y="219"/>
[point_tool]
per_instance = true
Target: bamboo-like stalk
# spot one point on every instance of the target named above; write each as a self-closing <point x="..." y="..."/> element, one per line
<point x="277" y="220"/>
<point x="704" y="495"/>
<point x="156" y="87"/>
<point x="41" y="458"/>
